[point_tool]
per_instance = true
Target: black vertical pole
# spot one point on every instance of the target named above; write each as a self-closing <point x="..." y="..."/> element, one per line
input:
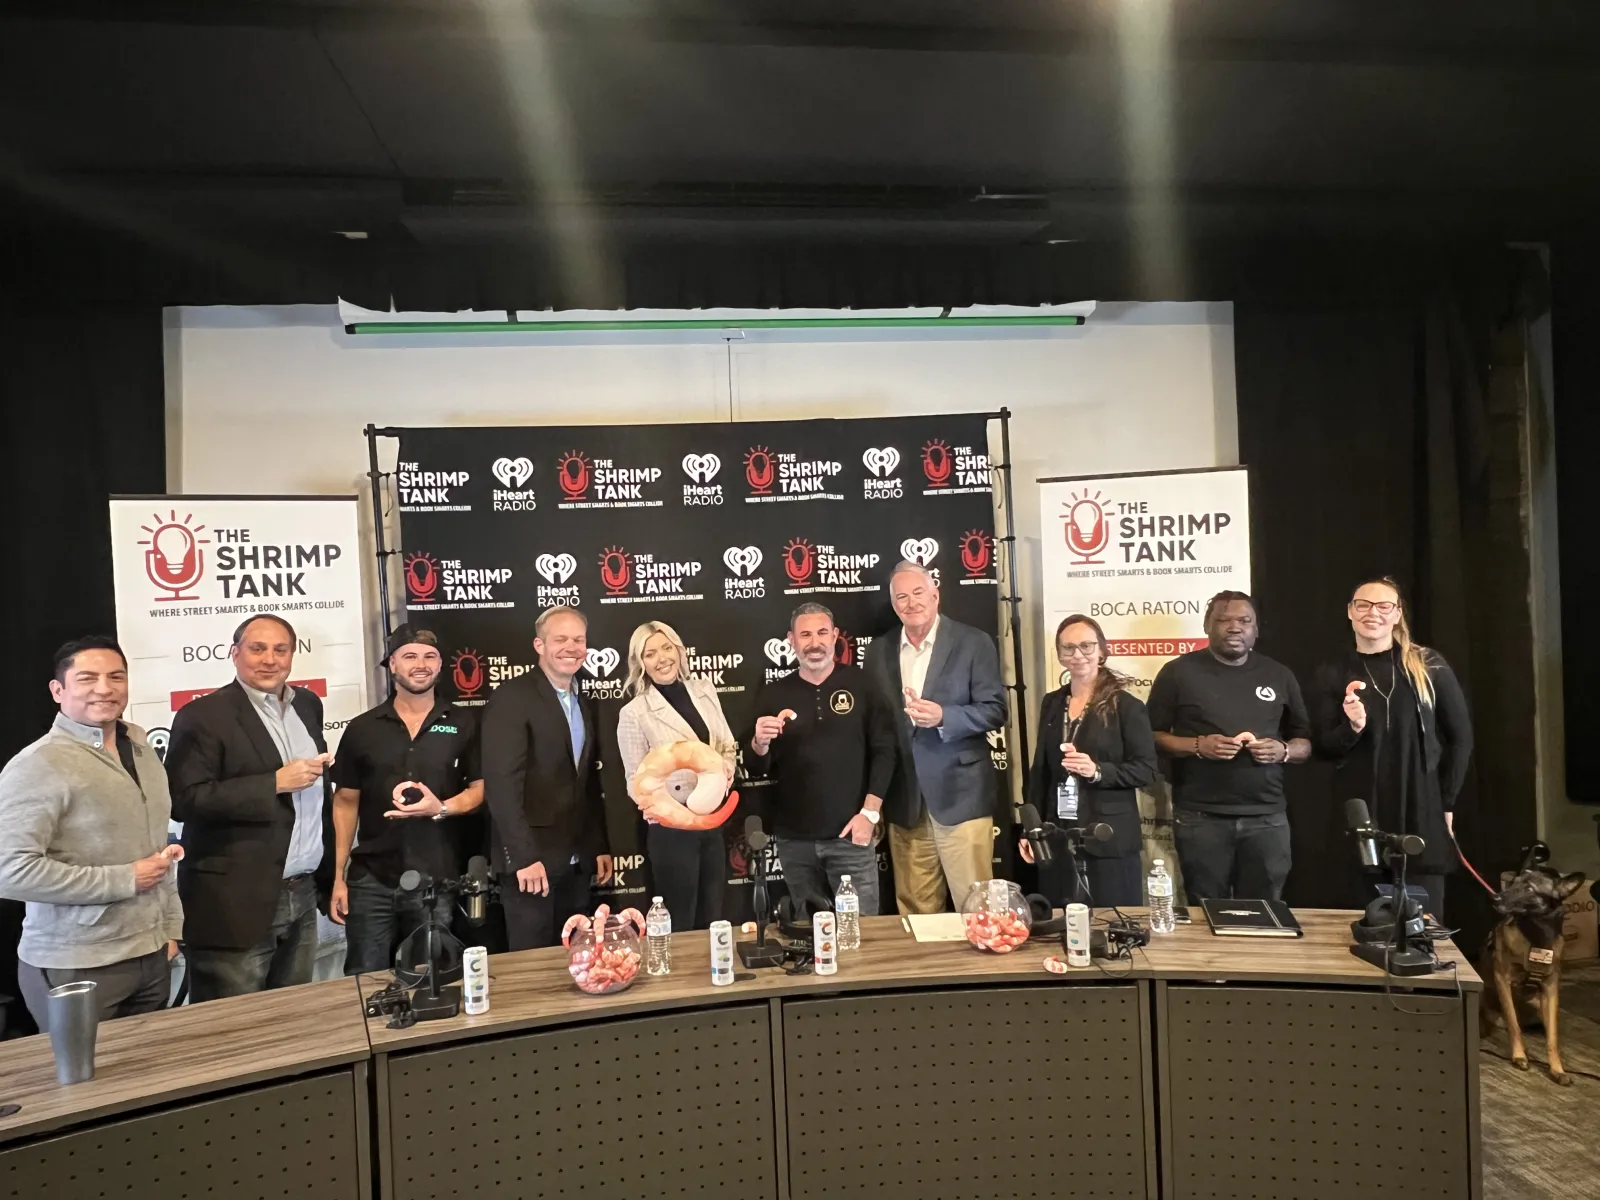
<point x="1014" y="598"/>
<point x="375" y="481"/>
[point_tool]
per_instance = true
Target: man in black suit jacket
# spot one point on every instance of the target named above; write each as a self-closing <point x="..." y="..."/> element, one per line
<point x="246" y="765"/>
<point x="541" y="779"/>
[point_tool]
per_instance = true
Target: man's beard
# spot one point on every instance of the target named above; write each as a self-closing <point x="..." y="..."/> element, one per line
<point x="405" y="684"/>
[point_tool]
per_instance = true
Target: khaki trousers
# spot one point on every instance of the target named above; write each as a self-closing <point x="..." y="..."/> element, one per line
<point x="931" y="858"/>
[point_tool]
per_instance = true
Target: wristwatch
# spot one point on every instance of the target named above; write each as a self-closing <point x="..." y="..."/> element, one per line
<point x="872" y="815"/>
<point x="444" y="810"/>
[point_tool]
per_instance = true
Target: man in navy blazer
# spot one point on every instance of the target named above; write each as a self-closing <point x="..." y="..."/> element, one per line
<point x="944" y="678"/>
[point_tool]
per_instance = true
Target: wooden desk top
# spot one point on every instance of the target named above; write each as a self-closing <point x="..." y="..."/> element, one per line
<point x="1322" y="956"/>
<point x="531" y="989"/>
<point x="155" y="1059"/>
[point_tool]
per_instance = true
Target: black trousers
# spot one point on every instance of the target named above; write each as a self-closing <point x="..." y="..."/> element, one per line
<point x="690" y="873"/>
<point x="1112" y="881"/>
<point x="532" y="920"/>
<point x="1231" y="857"/>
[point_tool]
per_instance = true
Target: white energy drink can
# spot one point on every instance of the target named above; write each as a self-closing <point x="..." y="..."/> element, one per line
<point x="475" y="979"/>
<point x="721" y="953"/>
<point x="1078" y="935"/>
<point x="825" y="946"/>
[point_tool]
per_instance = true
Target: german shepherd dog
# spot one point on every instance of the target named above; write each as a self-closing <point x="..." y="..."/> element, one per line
<point x="1523" y="955"/>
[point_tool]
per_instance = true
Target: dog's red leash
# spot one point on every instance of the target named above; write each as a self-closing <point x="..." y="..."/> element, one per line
<point x="1472" y="869"/>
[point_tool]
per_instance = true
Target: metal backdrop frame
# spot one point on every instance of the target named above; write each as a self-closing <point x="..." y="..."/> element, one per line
<point x="1008" y="538"/>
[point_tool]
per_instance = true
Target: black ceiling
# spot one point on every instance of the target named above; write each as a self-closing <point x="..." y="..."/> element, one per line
<point x="490" y="126"/>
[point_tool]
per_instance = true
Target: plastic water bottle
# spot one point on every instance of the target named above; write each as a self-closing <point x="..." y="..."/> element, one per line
<point x="658" y="930"/>
<point x="847" y="907"/>
<point x="1159" y="889"/>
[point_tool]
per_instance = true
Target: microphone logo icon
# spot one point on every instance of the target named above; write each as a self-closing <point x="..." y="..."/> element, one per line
<point x="616" y="570"/>
<point x="1087" y="531"/>
<point x="174" y="562"/>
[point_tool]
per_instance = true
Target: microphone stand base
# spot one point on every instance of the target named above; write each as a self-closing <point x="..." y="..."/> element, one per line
<point x="1383" y="955"/>
<point x="758" y="954"/>
<point x="436" y="1008"/>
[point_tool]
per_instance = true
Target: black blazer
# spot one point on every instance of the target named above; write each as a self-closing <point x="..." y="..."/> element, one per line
<point x="1121" y="745"/>
<point x="221" y="764"/>
<point x="542" y="807"/>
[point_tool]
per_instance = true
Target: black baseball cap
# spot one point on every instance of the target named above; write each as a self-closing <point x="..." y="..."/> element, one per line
<point x="408" y="634"/>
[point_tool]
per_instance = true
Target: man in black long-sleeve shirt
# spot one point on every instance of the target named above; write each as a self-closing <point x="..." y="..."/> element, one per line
<point x="828" y="742"/>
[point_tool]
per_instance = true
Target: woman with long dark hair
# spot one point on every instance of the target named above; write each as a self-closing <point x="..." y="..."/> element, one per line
<point x="1392" y="716"/>
<point x="1095" y="752"/>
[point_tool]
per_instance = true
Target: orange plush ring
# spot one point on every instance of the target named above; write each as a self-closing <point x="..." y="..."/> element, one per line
<point x="700" y="810"/>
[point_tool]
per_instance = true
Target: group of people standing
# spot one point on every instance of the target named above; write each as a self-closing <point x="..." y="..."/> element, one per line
<point x="275" y="827"/>
<point x="1389" y="714"/>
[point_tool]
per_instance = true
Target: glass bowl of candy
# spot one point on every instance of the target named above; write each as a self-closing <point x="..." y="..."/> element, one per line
<point x="996" y="916"/>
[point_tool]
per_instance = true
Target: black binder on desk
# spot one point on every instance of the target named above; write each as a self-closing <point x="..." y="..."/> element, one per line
<point x="1251" y="918"/>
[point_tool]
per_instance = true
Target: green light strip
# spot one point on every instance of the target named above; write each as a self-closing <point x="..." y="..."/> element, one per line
<point x="364" y="327"/>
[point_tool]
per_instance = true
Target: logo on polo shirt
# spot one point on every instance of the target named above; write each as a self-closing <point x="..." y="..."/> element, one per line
<point x="1266" y="693"/>
<point x="841" y="702"/>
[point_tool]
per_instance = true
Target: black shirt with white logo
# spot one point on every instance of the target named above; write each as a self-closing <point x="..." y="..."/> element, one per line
<point x="839" y="747"/>
<point x="1195" y="694"/>
<point x="376" y="753"/>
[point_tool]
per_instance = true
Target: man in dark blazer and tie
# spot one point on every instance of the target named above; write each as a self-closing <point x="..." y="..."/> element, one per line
<point x="541" y="779"/>
<point x="247" y="769"/>
<point x="944" y="678"/>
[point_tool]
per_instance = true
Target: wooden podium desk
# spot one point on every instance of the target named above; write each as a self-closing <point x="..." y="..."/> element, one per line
<point x="920" y="1070"/>
<point x="1284" y="1070"/>
<point x="260" y="1096"/>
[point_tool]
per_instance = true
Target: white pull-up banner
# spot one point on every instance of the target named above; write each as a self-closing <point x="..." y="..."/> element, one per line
<point x="1142" y="554"/>
<point x="188" y="569"/>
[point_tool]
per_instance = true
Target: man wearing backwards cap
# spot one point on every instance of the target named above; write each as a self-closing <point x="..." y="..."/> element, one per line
<point x="416" y="743"/>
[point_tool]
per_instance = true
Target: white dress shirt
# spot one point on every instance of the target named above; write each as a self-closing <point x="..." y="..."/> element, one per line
<point x="914" y="660"/>
<point x="294" y="741"/>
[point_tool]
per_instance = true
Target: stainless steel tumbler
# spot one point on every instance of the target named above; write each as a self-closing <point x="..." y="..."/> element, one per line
<point x="74" y="1023"/>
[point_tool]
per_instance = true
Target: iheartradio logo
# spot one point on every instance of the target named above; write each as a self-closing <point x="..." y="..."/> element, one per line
<point x="601" y="661"/>
<point x="174" y="562"/>
<point x="742" y="560"/>
<point x="701" y="468"/>
<point x="512" y="472"/>
<point x="881" y="461"/>
<point x="779" y="652"/>
<point x="921" y="551"/>
<point x="1086" y="529"/>
<point x="556" y="568"/>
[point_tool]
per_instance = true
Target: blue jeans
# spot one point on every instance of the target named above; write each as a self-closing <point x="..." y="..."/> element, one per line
<point x="380" y="918"/>
<point x="285" y="957"/>
<point x="812" y="870"/>
<point x="1232" y="858"/>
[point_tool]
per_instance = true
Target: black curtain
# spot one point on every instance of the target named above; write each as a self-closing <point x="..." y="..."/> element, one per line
<point x="1381" y="441"/>
<point x="83" y="399"/>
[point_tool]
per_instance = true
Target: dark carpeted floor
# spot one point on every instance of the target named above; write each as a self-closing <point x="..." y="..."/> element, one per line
<point x="1541" y="1140"/>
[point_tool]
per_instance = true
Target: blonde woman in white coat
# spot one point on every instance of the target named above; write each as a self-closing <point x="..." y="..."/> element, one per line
<point x="689" y="865"/>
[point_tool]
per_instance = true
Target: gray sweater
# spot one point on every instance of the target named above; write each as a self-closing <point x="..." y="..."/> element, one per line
<point x="72" y="824"/>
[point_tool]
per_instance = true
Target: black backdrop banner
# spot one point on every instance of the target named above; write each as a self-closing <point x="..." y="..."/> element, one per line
<point x="720" y="530"/>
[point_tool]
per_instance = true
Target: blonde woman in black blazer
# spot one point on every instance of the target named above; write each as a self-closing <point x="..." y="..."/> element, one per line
<point x="1097" y="733"/>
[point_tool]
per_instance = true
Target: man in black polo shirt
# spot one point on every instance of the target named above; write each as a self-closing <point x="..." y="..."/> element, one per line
<point x="1229" y="718"/>
<point x="412" y="740"/>
<point x="828" y="742"/>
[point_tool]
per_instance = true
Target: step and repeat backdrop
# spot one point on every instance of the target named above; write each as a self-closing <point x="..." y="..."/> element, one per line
<point x="720" y="530"/>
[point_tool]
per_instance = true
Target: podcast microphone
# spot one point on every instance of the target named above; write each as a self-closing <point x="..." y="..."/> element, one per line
<point x="755" y="837"/>
<point x="475" y="890"/>
<point x="1369" y="839"/>
<point x="1038" y="836"/>
<point x="1360" y="823"/>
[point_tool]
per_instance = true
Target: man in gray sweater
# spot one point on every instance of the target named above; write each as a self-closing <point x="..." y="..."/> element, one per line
<point x="83" y="842"/>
